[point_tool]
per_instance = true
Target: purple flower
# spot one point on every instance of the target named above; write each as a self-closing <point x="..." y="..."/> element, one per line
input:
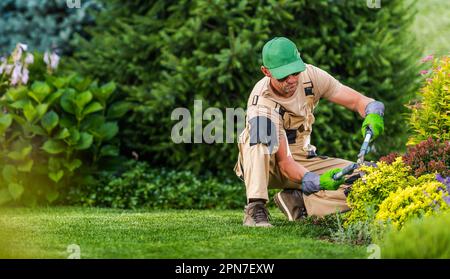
<point x="2" y="65"/>
<point x="25" y="76"/>
<point x="424" y="72"/>
<point x="29" y="59"/>
<point x="427" y="58"/>
<point x="17" y="74"/>
<point x="8" y="69"/>
<point x="447" y="199"/>
<point x="51" y="59"/>
<point x="47" y="58"/>
<point x="17" y="54"/>
<point x="443" y="180"/>
<point x="446" y="182"/>
<point x="24" y="47"/>
<point x="54" y="60"/>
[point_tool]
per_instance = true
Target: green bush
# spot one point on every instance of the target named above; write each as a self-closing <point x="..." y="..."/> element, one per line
<point x="138" y="185"/>
<point x="429" y="117"/>
<point x="42" y="24"/>
<point x="166" y="54"/>
<point x="424" y="238"/>
<point x="51" y="129"/>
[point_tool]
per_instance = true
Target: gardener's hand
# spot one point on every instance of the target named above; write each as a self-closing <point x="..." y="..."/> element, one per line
<point x="375" y="122"/>
<point x="374" y="119"/>
<point x="328" y="183"/>
<point x="312" y="182"/>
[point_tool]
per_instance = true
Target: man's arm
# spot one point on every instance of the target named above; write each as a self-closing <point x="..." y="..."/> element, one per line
<point x="351" y="99"/>
<point x="288" y="166"/>
<point x="372" y="111"/>
<point x="310" y="182"/>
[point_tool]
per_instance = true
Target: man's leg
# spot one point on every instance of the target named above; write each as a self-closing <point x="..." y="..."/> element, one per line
<point x="253" y="167"/>
<point x="290" y="200"/>
<point x="325" y="202"/>
<point x="294" y="204"/>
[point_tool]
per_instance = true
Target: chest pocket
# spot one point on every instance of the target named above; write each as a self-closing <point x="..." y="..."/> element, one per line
<point x="299" y="126"/>
<point x="293" y="124"/>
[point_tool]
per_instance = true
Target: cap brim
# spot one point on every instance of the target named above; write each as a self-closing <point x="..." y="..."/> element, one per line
<point x="289" y="69"/>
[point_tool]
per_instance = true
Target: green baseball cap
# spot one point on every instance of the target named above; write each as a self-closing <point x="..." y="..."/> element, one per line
<point x="280" y="55"/>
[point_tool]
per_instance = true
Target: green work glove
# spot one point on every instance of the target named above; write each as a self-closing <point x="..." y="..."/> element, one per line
<point x="375" y="122"/>
<point x="328" y="183"/>
<point x="374" y="119"/>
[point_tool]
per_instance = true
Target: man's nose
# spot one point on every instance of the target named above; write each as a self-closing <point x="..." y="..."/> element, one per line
<point x="292" y="79"/>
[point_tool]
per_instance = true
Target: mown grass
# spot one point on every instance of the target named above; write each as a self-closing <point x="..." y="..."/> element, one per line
<point x="108" y="233"/>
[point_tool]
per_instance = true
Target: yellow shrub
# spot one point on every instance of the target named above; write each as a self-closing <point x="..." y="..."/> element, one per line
<point x="430" y="116"/>
<point x="414" y="201"/>
<point x="376" y="185"/>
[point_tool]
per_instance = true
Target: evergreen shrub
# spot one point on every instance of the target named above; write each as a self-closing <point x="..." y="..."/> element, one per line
<point x="166" y="54"/>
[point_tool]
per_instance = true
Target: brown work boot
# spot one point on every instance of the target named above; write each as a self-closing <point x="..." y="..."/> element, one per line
<point x="291" y="203"/>
<point x="256" y="215"/>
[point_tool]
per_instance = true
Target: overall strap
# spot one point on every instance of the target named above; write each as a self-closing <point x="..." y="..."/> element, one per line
<point x="308" y="85"/>
<point x="257" y="99"/>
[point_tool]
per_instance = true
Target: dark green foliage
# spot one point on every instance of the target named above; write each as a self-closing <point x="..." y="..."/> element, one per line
<point x="138" y="185"/>
<point x="42" y="24"/>
<point x="166" y="54"/>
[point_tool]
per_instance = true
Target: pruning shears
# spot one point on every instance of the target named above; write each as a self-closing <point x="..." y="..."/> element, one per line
<point x="365" y="148"/>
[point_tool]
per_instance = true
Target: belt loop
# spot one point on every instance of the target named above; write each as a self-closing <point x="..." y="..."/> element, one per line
<point x="255" y="100"/>
<point x="309" y="82"/>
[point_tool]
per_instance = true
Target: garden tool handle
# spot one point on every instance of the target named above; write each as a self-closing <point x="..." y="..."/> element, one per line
<point x="363" y="151"/>
<point x="365" y="146"/>
<point x="348" y="169"/>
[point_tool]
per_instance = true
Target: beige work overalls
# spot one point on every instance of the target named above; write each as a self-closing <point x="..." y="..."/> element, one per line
<point x="259" y="170"/>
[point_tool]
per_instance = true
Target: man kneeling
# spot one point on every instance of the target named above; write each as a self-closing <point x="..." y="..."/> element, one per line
<point x="275" y="149"/>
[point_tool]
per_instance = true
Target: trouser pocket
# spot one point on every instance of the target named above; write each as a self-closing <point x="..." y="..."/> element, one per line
<point x="238" y="168"/>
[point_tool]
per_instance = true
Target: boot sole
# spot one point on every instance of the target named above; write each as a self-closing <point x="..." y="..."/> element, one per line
<point x="282" y="206"/>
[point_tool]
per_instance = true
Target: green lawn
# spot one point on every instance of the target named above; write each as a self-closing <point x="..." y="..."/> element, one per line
<point x="108" y="233"/>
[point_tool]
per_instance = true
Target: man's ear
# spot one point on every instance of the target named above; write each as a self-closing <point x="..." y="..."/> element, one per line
<point x="265" y="71"/>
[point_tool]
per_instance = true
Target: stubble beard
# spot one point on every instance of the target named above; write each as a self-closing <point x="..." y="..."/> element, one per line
<point x="290" y="89"/>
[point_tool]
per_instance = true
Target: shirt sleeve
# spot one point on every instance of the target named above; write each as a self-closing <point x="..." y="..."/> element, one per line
<point x="325" y="85"/>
